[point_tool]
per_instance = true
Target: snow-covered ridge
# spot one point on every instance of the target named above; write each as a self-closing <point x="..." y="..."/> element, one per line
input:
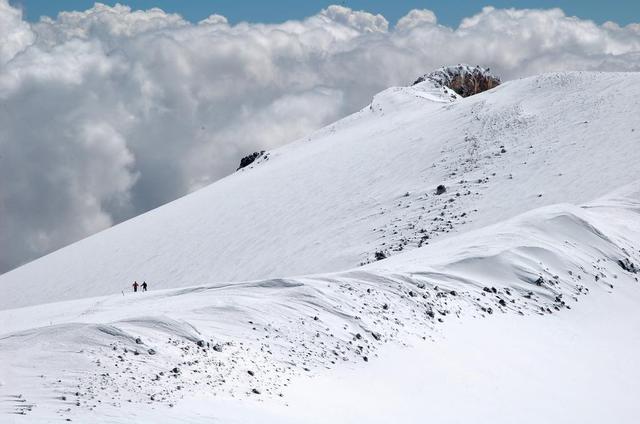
<point x="395" y="98"/>
<point x="253" y="339"/>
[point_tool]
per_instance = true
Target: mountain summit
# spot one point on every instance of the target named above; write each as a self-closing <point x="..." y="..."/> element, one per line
<point x="463" y="79"/>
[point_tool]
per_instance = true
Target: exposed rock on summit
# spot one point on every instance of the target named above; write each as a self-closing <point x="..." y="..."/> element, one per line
<point x="463" y="79"/>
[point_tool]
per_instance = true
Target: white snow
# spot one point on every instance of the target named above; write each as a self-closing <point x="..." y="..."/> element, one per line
<point x="519" y="306"/>
<point x="328" y="202"/>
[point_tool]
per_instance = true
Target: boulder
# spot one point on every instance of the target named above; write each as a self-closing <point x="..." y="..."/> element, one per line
<point x="248" y="160"/>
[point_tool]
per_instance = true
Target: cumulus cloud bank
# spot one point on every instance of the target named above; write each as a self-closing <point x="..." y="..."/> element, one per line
<point x="109" y="112"/>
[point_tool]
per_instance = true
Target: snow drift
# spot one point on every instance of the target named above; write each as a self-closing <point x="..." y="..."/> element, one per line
<point x="255" y="338"/>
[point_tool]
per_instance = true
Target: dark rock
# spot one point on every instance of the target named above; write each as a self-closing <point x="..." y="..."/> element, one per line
<point x="628" y="266"/>
<point x="255" y="391"/>
<point x="138" y="340"/>
<point x="380" y="255"/>
<point x="217" y="347"/>
<point x="441" y="189"/>
<point x="251" y="373"/>
<point x="151" y="352"/>
<point x="201" y="343"/>
<point x="248" y="160"/>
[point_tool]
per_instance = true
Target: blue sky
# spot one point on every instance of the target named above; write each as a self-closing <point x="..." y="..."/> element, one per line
<point x="449" y="13"/>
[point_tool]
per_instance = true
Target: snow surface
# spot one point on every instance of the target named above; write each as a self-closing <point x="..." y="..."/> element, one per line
<point x="328" y="202"/>
<point x="514" y="301"/>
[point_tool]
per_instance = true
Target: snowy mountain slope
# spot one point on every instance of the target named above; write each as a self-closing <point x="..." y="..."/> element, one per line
<point x="365" y="184"/>
<point x="110" y="359"/>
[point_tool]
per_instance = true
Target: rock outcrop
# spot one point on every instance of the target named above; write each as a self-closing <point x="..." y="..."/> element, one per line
<point x="463" y="79"/>
<point x="248" y="160"/>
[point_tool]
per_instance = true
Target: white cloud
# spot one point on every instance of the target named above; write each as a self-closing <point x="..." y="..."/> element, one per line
<point x="360" y="21"/>
<point x="416" y="18"/>
<point x="14" y="32"/>
<point x="106" y="23"/>
<point x="214" y="20"/>
<point x="108" y="112"/>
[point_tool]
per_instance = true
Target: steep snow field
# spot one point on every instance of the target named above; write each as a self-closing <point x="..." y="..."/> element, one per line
<point x="511" y="297"/>
<point x="328" y="202"/>
<point x="533" y="318"/>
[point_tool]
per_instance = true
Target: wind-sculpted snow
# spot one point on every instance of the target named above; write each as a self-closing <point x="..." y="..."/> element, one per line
<point x="366" y="186"/>
<point x="253" y="339"/>
<point x="410" y="221"/>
